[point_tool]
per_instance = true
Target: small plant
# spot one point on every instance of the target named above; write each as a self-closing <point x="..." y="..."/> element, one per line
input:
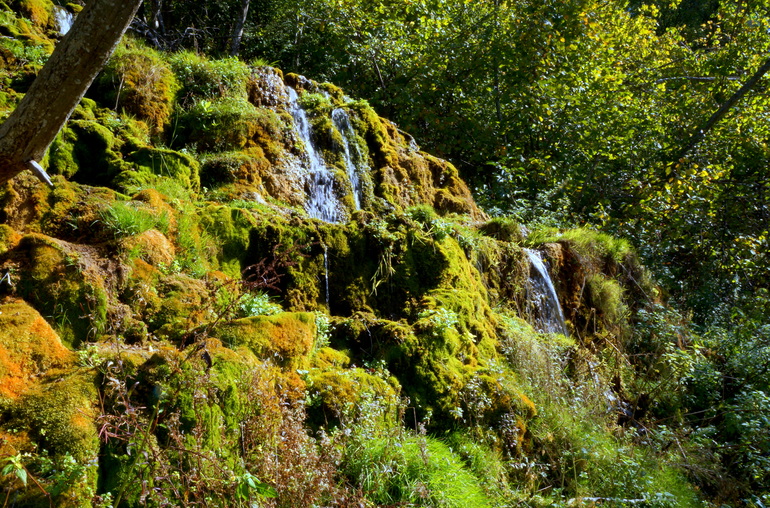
<point x="441" y="319"/>
<point x="323" y="330"/>
<point x="258" y="304"/>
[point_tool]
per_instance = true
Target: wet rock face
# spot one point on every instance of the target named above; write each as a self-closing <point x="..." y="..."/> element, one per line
<point x="331" y="156"/>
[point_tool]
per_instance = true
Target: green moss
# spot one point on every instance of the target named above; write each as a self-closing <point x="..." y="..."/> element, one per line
<point x="59" y="415"/>
<point x="286" y="337"/>
<point x="231" y="228"/>
<point x="57" y="282"/>
<point x="84" y="152"/>
<point x="167" y="163"/>
<point x="201" y="78"/>
<point x="232" y="124"/>
<point x="140" y="82"/>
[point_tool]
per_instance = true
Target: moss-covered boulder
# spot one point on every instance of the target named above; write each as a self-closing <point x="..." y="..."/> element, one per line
<point x="64" y="281"/>
<point x="287" y="337"/>
<point x="29" y="348"/>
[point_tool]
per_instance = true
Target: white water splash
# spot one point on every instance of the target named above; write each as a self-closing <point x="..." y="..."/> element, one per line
<point x="322" y="202"/>
<point x="64" y="19"/>
<point x="341" y="121"/>
<point x="545" y="311"/>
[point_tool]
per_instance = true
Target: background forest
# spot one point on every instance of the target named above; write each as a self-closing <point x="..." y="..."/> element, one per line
<point x="583" y="121"/>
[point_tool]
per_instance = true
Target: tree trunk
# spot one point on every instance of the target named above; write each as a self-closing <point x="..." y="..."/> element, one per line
<point x="238" y="30"/>
<point x="77" y="59"/>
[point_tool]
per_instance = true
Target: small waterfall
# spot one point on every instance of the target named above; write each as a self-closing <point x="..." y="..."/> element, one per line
<point x="341" y="121"/>
<point x="322" y="201"/>
<point x="326" y="273"/>
<point x="545" y="311"/>
<point x="64" y="19"/>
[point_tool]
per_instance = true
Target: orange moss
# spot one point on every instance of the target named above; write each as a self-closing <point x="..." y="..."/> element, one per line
<point x="8" y="238"/>
<point x="152" y="246"/>
<point x="29" y="348"/>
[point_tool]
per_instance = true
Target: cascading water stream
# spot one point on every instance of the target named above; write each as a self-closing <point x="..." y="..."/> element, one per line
<point x="545" y="311"/>
<point x="64" y="19"/>
<point x="322" y="201"/>
<point x="341" y="121"/>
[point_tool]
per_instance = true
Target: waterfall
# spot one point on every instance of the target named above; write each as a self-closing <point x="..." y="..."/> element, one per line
<point x="541" y="296"/>
<point x="341" y="121"/>
<point x="322" y="202"/>
<point x="64" y="19"/>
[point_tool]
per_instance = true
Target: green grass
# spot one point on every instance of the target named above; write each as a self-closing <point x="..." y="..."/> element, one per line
<point x="127" y="219"/>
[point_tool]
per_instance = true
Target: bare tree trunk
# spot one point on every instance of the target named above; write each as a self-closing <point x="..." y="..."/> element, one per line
<point x="78" y="58"/>
<point x="238" y="30"/>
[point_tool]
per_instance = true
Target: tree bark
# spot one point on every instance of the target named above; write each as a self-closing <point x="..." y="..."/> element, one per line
<point x="64" y="79"/>
<point x="238" y="30"/>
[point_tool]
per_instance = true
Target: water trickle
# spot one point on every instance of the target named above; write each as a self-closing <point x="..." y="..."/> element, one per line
<point x="545" y="311"/>
<point x="353" y="165"/>
<point x="64" y="19"/>
<point x="326" y="273"/>
<point x="322" y="202"/>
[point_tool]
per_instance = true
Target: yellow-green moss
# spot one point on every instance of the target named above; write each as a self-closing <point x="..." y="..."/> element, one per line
<point x="341" y="392"/>
<point x="60" y="415"/>
<point x="286" y="337"/>
<point x="39" y="11"/>
<point x="8" y="238"/>
<point x="138" y="81"/>
<point x="167" y="163"/>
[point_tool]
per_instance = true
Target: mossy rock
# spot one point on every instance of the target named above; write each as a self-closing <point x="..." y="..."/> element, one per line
<point x="55" y="279"/>
<point x="140" y="82"/>
<point x="168" y="163"/>
<point x="8" y="238"/>
<point x="152" y="246"/>
<point x="233" y="124"/>
<point x="84" y="151"/>
<point x="181" y="306"/>
<point x="287" y="337"/>
<point x="29" y="348"/>
<point x="339" y="393"/>
<point x="60" y="415"/>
